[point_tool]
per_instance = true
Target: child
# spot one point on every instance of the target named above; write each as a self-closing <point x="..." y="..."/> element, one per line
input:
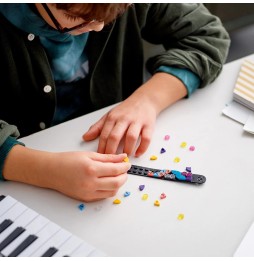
<point x="60" y="61"/>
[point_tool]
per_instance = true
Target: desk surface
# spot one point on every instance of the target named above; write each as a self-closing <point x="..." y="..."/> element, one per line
<point x="217" y="213"/>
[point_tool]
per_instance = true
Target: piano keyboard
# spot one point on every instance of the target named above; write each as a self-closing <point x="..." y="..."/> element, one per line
<point x="24" y="232"/>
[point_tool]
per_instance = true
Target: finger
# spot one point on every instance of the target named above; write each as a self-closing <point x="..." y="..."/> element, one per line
<point x="106" y="130"/>
<point x="131" y="138"/>
<point x="102" y="194"/>
<point x="109" y="169"/>
<point x="145" y="140"/>
<point x="115" y="137"/>
<point x="109" y="157"/>
<point x="98" y="195"/>
<point x="112" y="183"/>
<point x="95" y="130"/>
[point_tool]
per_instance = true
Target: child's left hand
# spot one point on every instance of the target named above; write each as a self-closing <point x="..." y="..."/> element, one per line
<point x="130" y="120"/>
<point x="135" y="117"/>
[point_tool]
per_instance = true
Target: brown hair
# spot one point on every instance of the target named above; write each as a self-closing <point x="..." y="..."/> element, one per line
<point x="90" y="11"/>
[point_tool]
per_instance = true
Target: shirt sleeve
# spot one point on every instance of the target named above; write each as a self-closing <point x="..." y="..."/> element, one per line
<point x="188" y="78"/>
<point x="8" y="139"/>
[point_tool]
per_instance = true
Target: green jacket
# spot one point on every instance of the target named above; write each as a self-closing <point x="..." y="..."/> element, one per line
<point x="192" y="37"/>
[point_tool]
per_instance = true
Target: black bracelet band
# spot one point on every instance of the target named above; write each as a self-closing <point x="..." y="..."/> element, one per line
<point x="170" y="175"/>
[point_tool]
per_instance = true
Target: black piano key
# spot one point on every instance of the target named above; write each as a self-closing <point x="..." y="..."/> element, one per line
<point x="50" y="252"/>
<point x="11" y="237"/>
<point x="2" y="197"/>
<point x="5" y="224"/>
<point x="22" y="246"/>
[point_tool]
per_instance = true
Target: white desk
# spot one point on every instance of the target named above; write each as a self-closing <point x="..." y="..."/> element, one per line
<point x="217" y="213"/>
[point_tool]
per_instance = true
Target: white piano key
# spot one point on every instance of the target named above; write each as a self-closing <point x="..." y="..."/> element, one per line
<point x="56" y="241"/>
<point x="37" y="223"/>
<point x="12" y="213"/>
<point x="43" y="236"/>
<point x="69" y="246"/>
<point x="15" y="212"/>
<point x="6" y="203"/>
<point x="83" y="250"/>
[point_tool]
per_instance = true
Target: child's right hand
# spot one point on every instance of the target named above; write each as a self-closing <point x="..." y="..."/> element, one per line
<point x="87" y="176"/>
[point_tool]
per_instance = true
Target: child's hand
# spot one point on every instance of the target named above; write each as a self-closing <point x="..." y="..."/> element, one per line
<point x="135" y="117"/>
<point x="87" y="176"/>
<point x="90" y="176"/>
<point x="132" y="119"/>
